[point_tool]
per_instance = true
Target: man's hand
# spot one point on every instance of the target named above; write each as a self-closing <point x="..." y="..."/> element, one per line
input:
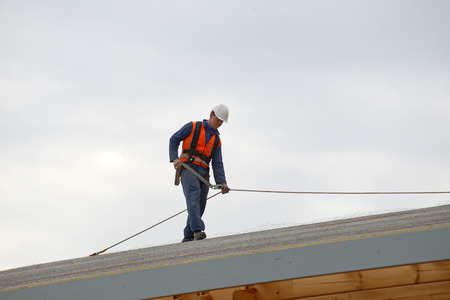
<point x="225" y="189"/>
<point x="177" y="164"/>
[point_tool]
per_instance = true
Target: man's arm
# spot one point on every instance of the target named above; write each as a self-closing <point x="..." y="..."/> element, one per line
<point x="217" y="165"/>
<point x="174" y="143"/>
<point x="218" y="170"/>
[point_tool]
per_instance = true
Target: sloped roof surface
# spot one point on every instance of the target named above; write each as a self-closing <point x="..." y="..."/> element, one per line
<point x="365" y="226"/>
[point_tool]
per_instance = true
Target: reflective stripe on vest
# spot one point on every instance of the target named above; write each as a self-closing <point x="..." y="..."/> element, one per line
<point x="194" y="148"/>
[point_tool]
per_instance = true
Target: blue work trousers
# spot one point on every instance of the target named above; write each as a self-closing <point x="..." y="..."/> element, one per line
<point x="196" y="193"/>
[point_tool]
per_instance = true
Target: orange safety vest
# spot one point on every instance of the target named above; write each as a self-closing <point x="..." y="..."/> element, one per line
<point x="195" y="148"/>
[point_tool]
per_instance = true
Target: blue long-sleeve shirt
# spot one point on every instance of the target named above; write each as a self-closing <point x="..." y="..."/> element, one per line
<point x="217" y="163"/>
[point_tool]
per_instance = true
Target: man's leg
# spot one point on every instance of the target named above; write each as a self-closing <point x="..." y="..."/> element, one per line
<point x="203" y="196"/>
<point x="193" y="194"/>
<point x="187" y="232"/>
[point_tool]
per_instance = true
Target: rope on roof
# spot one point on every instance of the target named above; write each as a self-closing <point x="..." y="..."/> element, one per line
<point x="277" y="192"/>
<point x="342" y="193"/>
<point x="167" y="219"/>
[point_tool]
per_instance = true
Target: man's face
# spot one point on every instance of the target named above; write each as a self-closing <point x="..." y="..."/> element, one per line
<point x="214" y="122"/>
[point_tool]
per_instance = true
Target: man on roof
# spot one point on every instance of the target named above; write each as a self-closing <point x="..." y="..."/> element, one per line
<point x="201" y="146"/>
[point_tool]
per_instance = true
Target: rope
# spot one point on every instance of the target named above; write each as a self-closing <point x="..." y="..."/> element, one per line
<point x="277" y="192"/>
<point x="134" y="235"/>
<point x="340" y="193"/>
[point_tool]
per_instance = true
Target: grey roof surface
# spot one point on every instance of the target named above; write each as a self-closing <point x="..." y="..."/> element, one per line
<point x="220" y="247"/>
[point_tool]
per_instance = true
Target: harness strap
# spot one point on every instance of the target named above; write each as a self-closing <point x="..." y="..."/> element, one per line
<point x="194" y="141"/>
<point x="215" y="146"/>
<point x="214" y="187"/>
<point x="196" y="159"/>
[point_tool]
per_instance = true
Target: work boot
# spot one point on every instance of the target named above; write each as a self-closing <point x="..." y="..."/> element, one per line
<point x="199" y="235"/>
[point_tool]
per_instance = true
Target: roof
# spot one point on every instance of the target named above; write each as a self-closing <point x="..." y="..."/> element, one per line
<point x="360" y="243"/>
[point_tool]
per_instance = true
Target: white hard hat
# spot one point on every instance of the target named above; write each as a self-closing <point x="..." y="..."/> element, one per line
<point x="221" y="111"/>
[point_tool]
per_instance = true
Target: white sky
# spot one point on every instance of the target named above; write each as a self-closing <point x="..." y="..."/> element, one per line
<point x="323" y="96"/>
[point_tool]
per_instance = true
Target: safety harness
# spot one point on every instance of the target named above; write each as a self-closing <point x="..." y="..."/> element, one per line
<point x="200" y="155"/>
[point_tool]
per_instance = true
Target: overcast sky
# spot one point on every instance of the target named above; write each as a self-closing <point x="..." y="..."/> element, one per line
<point x="323" y="96"/>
